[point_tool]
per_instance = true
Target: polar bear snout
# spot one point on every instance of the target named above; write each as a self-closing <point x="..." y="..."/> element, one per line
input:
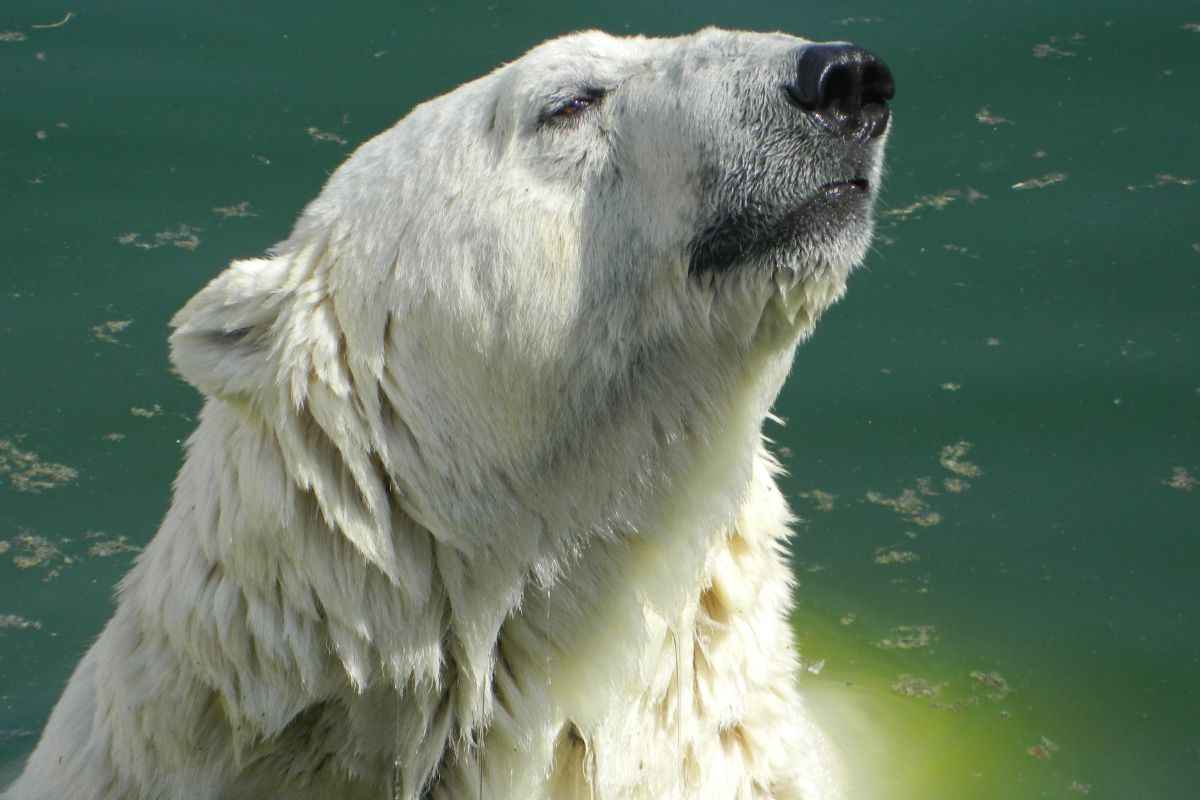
<point x="843" y="87"/>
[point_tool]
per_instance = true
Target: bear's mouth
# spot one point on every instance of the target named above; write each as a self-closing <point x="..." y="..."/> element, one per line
<point x="737" y="237"/>
<point x="846" y="189"/>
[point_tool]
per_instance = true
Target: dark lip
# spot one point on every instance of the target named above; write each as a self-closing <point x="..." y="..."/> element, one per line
<point x="731" y="239"/>
<point x="846" y="188"/>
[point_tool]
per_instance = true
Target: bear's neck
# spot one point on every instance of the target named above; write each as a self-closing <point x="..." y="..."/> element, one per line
<point x="438" y="629"/>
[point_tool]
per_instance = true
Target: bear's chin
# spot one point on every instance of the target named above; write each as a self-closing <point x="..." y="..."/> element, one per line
<point x="799" y="280"/>
<point x="794" y="303"/>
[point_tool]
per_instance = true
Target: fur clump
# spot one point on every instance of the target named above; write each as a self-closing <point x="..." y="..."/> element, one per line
<point x="478" y="504"/>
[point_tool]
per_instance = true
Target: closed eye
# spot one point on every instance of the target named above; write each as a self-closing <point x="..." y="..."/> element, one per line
<point x="568" y="110"/>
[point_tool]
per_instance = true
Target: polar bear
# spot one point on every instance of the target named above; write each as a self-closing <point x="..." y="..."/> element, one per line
<point x="479" y="504"/>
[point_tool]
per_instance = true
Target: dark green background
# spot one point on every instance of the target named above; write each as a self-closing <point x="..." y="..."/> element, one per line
<point x="1054" y="329"/>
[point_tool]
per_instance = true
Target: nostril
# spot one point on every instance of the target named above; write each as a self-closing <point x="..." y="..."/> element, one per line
<point x="846" y="88"/>
<point x="878" y="86"/>
<point x="798" y="96"/>
<point x="840" y="86"/>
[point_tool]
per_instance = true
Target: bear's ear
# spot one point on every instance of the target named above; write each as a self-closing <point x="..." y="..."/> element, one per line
<point x="224" y="336"/>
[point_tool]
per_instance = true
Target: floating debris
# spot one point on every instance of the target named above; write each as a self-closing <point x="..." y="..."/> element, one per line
<point x="955" y="485"/>
<point x="14" y="622"/>
<point x="911" y="686"/>
<point x="1161" y="179"/>
<point x="909" y="504"/>
<point x="27" y="472"/>
<point x="12" y="36"/>
<point x="34" y="551"/>
<point x="184" y="237"/>
<point x="1046" y="50"/>
<point x="848" y="619"/>
<point x="921" y="582"/>
<point x="1194" y="27"/>
<point x="107" y="331"/>
<point x="1081" y="788"/>
<point x="1043" y="750"/>
<point x="909" y="637"/>
<point x="58" y="24"/>
<point x="993" y="341"/>
<point x="889" y="555"/>
<point x="238" y="210"/>
<point x="986" y="117"/>
<point x="149" y="413"/>
<point x="1131" y="349"/>
<point x="1051" y="49"/>
<point x="1181" y="479"/>
<point x="934" y="201"/>
<point x="950" y="386"/>
<point x="1041" y="183"/>
<point x="109" y="547"/>
<point x="857" y="20"/>
<point x="951" y="706"/>
<point x="962" y="251"/>
<point x="995" y="684"/>
<point x="816" y="667"/>
<point x="324" y="136"/>
<point x="953" y="458"/>
<point x="113" y="437"/>
<point x="821" y="499"/>
<point x="30" y="550"/>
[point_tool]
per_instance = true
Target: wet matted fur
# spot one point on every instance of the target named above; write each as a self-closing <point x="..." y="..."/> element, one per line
<point x="479" y="501"/>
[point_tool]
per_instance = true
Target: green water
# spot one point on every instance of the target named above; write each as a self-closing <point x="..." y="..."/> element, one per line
<point x="1035" y="347"/>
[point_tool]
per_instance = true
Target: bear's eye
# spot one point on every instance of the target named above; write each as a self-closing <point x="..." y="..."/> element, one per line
<point x="573" y="106"/>
<point x="569" y="109"/>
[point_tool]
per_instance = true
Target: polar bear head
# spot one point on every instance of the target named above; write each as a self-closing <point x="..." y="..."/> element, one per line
<point x="526" y="305"/>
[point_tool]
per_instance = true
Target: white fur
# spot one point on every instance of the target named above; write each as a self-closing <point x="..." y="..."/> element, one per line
<point x="478" y="503"/>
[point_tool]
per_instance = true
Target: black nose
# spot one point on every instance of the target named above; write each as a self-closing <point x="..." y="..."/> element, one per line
<point x="844" y="87"/>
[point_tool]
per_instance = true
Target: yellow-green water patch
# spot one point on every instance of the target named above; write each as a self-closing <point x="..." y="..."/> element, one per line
<point x="917" y="723"/>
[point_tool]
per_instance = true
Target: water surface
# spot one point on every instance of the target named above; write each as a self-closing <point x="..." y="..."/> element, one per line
<point x="993" y="441"/>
